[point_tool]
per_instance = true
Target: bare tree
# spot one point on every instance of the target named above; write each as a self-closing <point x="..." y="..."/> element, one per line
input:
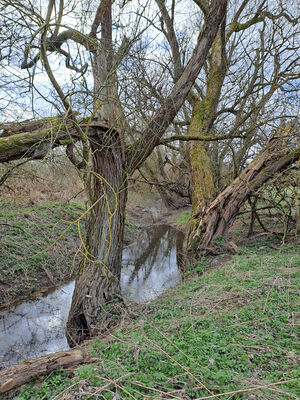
<point x="241" y="96"/>
<point x="246" y="88"/>
<point x="105" y="160"/>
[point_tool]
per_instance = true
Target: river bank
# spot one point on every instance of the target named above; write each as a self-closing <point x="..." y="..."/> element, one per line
<point x="39" y="242"/>
<point x="227" y="331"/>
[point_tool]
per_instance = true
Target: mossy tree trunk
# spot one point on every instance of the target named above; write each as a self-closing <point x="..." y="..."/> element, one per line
<point x="203" y="188"/>
<point x="200" y="168"/>
<point x="106" y="162"/>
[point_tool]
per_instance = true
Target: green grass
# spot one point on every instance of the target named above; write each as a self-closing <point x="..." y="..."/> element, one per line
<point x="183" y="219"/>
<point x="27" y="235"/>
<point x="230" y="329"/>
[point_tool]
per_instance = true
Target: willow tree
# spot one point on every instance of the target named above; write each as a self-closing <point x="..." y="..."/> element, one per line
<point x="105" y="159"/>
<point x="233" y="104"/>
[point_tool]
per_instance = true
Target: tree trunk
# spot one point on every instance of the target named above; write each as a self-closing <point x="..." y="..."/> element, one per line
<point x="97" y="291"/>
<point x="200" y="167"/>
<point x="219" y="216"/>
<point x="17" y="375"/>
<point x="203" y="186"/>
<point x="298" y="205"/>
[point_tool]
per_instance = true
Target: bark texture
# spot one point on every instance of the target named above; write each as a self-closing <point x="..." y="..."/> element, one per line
<point x="96" y="298"/>
<point x="97" y="292"/>
<point x="17" y="375"/>
<point x="219" y="216"/>
<point x="200" y="166"/>
<point x="16" y="144"/>
<point x="203" y="186"/>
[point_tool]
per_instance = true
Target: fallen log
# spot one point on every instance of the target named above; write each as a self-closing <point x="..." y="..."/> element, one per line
<point x="17" y="375"/>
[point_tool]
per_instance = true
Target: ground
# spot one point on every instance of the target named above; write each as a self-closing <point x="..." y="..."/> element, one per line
<point x="33" y="256"/>
<point x="230" y="327"/>
<point x="230" y="330"/>
<point x="39" y="240"/>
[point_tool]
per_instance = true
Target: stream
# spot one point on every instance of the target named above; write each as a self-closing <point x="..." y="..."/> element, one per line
<point x="37" y="327"/>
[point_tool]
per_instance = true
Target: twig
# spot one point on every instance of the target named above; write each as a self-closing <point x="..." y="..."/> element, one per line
<point x="247" y="390"/>
<point x="13" y="226"/>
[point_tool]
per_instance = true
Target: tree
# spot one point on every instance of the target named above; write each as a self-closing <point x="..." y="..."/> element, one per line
<point x="219" y="216"/>
<point x="106" y="160"/>
<point x="245" y="88"/>
<point x="273" y="66"/>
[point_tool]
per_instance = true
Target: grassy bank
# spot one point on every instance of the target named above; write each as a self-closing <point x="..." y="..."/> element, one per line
<point x="32" y="257"/>
<point x="224" y="329"/>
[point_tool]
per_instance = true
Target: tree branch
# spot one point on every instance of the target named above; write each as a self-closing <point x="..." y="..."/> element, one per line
<point x="205" y="138"/>
<point x="141" y="149"/>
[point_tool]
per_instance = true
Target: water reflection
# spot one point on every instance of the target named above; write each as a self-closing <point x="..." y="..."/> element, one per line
<point x="37" y="327"/>
<point x="151" y="265"/>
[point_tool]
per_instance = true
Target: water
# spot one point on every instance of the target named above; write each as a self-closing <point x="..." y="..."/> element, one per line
<point x="151" y="265"/>
<point x="37" y="327"/>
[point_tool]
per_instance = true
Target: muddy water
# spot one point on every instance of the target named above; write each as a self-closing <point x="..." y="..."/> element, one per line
<point x="36" y="327"/>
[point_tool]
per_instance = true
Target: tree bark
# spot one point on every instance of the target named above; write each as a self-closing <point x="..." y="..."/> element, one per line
<point x="96" y="295"/>
<point x="97" y="291"/>
<point x="200" y="166"/>
<point x="203" y="185"/>
<point x="17" y="375"/>
<point x="220" y="215"/>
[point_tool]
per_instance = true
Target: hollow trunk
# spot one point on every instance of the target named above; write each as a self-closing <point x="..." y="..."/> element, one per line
<point x="219" y="216"/>
<point x="97" y="290"/>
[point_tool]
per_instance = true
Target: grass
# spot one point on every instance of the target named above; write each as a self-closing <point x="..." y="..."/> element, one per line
<point x="224" y="329"/>
<point x="183" y="219"/>
<point x="25" y="234"/>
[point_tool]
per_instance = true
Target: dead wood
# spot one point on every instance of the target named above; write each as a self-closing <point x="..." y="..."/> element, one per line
<point x="17" y="375"/>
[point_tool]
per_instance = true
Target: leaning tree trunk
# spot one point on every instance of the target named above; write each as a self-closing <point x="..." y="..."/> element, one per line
<point x="97" y="290"/>
<point x="219" y="216"/>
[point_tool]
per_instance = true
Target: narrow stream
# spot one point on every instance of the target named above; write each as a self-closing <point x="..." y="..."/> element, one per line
<point x="36" y="327"/>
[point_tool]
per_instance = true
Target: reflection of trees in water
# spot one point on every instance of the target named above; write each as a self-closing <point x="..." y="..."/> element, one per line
<point x="161" y="240"/>
<point x="179" y="250"/>
<point x="35" y="327"/>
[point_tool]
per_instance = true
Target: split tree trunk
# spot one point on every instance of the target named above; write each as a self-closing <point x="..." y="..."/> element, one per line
<point x="97" y="290"/>
<point x="220" y="215"/>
